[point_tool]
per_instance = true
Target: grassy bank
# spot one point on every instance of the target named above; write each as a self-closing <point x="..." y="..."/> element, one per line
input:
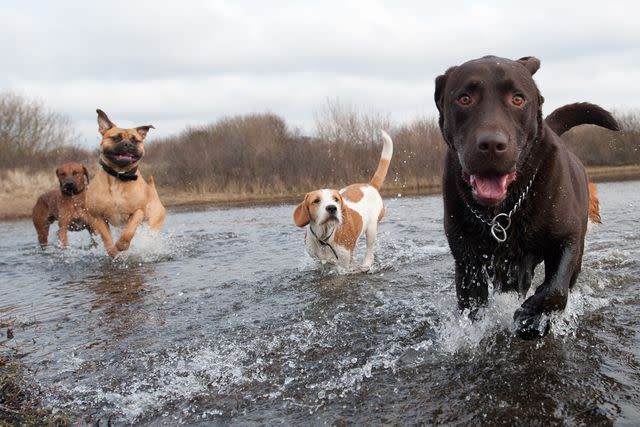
<point x="20" y="402"/>
<point x="19" y="191"/>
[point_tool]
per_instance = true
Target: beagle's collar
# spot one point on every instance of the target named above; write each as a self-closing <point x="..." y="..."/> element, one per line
<point x="324" y="242"/>
<point x="129" y="175"/>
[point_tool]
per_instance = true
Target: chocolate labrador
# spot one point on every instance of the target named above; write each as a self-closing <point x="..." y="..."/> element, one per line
<point x="514" y="195"/>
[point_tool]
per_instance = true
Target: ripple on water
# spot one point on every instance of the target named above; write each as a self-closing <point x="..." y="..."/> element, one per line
<point x="216" y="320"/>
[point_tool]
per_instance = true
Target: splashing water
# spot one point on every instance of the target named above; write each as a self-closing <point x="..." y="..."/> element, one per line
<point x="223" y="318"/>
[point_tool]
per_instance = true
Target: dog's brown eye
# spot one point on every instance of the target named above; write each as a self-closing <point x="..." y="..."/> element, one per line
<point x="75" y="173"/>
<point x="517" y="100"/>
<point x="465" y="100"/>
<point x="116" y="138"/>
<point x="335" y="199"/>
<point x="316" y="201"/>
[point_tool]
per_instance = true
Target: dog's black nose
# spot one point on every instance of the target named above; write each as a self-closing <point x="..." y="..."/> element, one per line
<point x="332" y="209"/>
<point x="492" y="142"/>
<point x="127" y="145"/>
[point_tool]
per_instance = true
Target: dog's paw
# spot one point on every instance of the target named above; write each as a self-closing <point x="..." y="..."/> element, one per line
<point x="123" y="245"/>
<point x="529" y="325"/>
<point x="365" y="268"/>
<point x="112" y="251"/>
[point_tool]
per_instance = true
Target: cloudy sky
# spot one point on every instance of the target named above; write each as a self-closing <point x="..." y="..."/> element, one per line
<point x="179" y="63"/>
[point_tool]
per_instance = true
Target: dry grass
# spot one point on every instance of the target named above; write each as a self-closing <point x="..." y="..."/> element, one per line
<point x="19" y="190"/>
<point x="259" y="158"/>
<point x="20" y="402"/>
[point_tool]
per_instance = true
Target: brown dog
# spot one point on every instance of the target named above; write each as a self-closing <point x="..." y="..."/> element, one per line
<point x="118" y="195"/>
<point x="65" y="204"/>
<point x="514" y="195"/>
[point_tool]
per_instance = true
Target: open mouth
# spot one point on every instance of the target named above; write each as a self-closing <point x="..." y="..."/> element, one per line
<point x="123" y="158"/>
<point x="490" y="190"/>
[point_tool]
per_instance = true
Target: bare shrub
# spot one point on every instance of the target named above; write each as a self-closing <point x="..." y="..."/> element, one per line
<point x="253" y="153"/>
<point x="340" y="123"/>
<point x="30" y="134"/>
<point x="596" y="146"/>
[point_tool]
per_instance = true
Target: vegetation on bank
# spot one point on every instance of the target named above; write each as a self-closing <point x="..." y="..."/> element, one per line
<point x="20" y="398"/>
<point x="259" y="156"/>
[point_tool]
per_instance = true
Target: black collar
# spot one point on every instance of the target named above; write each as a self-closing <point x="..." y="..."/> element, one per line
<point x="324" y="242"/>
<point x="129" y="175"/>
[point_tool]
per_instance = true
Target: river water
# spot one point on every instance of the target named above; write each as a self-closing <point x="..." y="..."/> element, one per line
<point x="224" y="319"/>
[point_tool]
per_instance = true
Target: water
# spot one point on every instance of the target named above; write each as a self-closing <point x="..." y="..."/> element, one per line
<point x="223" y="318"/>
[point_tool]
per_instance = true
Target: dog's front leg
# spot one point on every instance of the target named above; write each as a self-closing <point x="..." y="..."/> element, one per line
<point x="89" y="225"/>
<point x="471" y="286"/>
<point x="102" y="227"/>
<point x="63" y="227"/>
<point x="561" y="271"/>
<point x="370" y="235"/>
<point x="129" y="230"/>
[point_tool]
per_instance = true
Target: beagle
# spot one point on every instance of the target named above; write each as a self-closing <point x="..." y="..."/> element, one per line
<point x="337" y="219"/>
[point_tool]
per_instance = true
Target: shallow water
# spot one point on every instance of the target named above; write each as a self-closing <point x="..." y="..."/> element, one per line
<point x="223" y="318"/>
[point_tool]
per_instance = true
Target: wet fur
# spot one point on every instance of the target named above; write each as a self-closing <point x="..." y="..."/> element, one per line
<point x="551" y="224"/>
<point x="65" y="204"/>
<point x="358" y="208"/>
<point x="112" y="201"/>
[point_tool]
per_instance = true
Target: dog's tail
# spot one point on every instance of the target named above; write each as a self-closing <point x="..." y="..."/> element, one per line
<point x="594" y="205"/>
<point x="581" y="113"/>
<point x="385" y="159"/>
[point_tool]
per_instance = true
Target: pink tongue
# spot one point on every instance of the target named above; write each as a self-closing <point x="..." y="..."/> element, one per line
<point x="493" y="188"/>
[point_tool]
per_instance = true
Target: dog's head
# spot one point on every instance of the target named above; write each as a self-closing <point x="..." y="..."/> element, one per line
<point x="121" y="149"/>
<point x="321" y="207"/>
<point x="71" y="177"/>
<point x="490" y="115"/>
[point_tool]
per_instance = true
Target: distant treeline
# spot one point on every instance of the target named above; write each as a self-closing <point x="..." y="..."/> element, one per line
<point x="260" y="153"/>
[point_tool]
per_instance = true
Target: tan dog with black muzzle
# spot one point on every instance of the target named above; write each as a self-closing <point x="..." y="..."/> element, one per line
<point x="65" y="204"/>
<point x="118" y="195"/>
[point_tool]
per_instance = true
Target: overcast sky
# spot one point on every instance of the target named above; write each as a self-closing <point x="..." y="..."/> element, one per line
<point x="179" y="63"/>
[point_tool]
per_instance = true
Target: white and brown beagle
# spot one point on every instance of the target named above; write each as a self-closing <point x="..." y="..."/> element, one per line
<point x="337" y="219"/>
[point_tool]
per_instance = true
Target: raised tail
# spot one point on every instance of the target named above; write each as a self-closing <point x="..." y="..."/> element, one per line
<point x="385" y="158"/>
<point x="581" y="113"/>
<point x="594" y="205"/>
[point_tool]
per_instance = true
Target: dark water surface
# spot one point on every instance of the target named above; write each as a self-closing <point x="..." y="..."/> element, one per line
<point x="223" y="318"/>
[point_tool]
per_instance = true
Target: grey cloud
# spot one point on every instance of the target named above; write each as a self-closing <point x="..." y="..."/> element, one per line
<point x="191" y="62"/>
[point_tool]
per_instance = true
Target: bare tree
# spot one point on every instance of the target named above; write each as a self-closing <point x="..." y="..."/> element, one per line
<point x="338" y="123"/>
<point x="29" y="131"/>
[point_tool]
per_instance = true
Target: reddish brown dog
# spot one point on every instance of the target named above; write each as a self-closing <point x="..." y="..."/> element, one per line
<point x="65" y="204"/>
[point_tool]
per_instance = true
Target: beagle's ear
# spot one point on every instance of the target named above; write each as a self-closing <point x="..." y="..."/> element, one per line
<point x="86" y="172"/>
<point x="531" y="63"/>
<point x="301" y="215"/>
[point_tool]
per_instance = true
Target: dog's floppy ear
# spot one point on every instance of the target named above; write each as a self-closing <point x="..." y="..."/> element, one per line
<point x="301" y="215"/>
<point x="438" y="96"/>
<point x="104" y="124"/>
<point x="441" y="82"/>
<point x="86" y="172"/>
<point x="58" y="172"/>
<point x="143" y="130"/>
<point x="531" y="63"/>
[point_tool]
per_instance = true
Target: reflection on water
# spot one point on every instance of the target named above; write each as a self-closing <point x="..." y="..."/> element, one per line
<point x="224" y="318"/>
